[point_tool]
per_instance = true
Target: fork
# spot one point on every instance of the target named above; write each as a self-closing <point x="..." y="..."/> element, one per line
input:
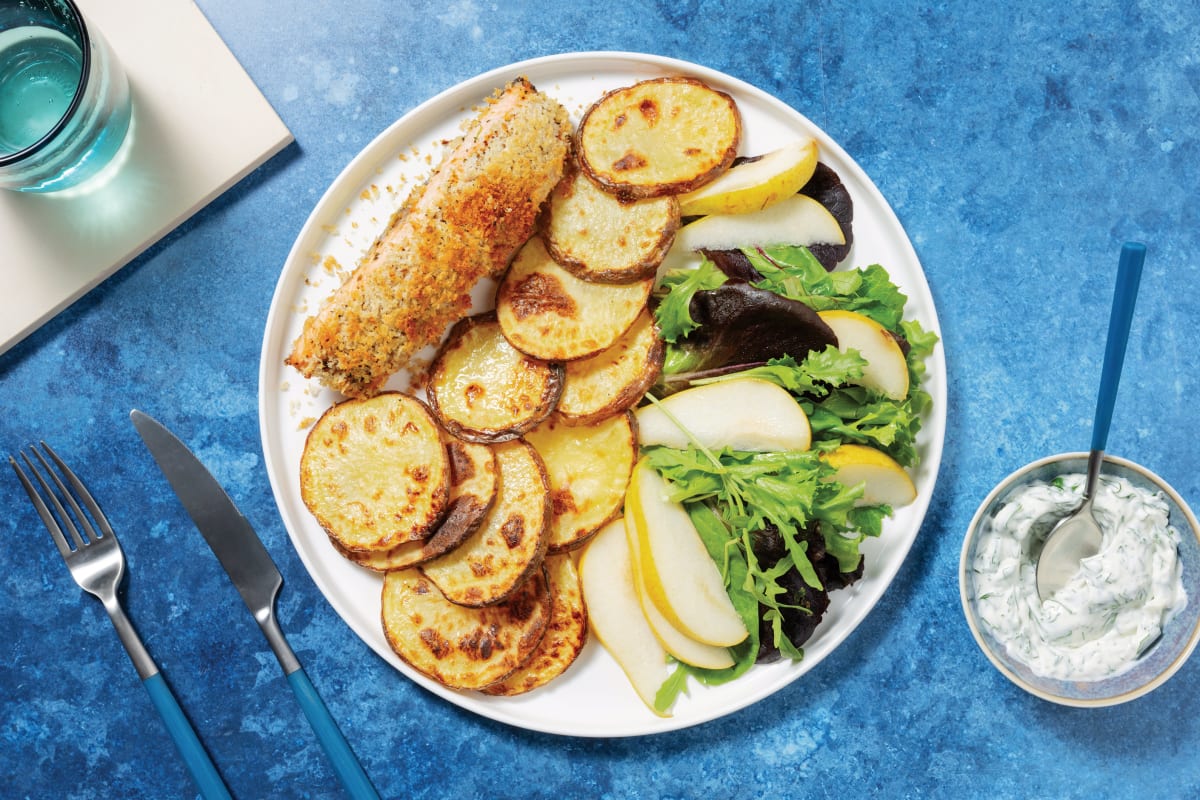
<point x="97" y="564"/>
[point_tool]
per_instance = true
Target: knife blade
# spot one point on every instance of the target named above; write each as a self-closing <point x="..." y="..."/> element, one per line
<point x="255" y="576"/>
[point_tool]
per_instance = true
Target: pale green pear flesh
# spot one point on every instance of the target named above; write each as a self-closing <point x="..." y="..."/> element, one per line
<point x="615" y="612"/>
<point x="677" y="643"/>
<point x="678" y="573"/>
<point x="796" y="220"/>
<point x="744" y="414"/>
<point x="887" y="369"/>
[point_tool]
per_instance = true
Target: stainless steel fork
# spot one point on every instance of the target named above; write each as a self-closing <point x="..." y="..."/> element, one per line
<point x="87" y="543"/>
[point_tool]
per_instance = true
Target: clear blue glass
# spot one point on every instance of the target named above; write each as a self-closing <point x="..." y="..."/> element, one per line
<point x="65" y="105"/>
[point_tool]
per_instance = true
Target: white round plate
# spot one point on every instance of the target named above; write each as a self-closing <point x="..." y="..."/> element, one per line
<point x="593" y="698"/>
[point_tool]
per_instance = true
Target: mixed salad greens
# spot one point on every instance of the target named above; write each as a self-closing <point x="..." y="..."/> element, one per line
<point x="781" y="530"/>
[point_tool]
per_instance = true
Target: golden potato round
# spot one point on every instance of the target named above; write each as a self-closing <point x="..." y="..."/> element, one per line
<point x="658" y="137"/>
<point x="589" y="468"/>
<point x="614" y="379"/>
<point x="510" y="544"/>
<point x="460" y="647"/>
<point x="375" y="472"/>
<point x="482" y="389"/>
<point x="565" y="635"/>
<point x="474" y="483"/>
<point x="549" y="313"/>
<point x="597" y="237"/>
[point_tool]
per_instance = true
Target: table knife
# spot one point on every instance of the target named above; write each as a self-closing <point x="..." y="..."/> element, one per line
<point x="256" y="578"/>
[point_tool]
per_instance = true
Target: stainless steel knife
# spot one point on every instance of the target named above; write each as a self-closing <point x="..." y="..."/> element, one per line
<point x="256" y="578"/>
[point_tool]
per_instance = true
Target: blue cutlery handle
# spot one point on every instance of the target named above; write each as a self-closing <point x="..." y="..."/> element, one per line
<point x="345" y="763"/>
<point x="207" y="779"/>
<point x="1129" y="275"/>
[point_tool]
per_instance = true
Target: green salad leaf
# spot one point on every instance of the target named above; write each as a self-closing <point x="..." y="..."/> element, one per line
<point x="815" y="376"/>
<point x="674" y="314"/>
<point x="920" y="347"/>
<point x="823" y="381"/>
<point x="857" y="415"/>
<point x="749" y="491"/>
<point x="794" y="272"/>
<point x="732" y="496"/>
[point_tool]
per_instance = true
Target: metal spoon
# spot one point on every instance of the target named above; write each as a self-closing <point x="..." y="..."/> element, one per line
<point x="1077" y="536"/>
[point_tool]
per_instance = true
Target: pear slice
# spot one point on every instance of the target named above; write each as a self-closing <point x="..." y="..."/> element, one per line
<point x="743" y="413"/>
<point x="883" y="479"/>
<point x="795" y="220"/>
<point x="755" y="185"/>
<point x="677" y="643"/>
<point x="615" y="612"/>
<point x="678" y="574"/>
<point x="887" y="369"/>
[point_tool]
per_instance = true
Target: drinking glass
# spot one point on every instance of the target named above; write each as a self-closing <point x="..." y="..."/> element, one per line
<point x="65" y="106"/>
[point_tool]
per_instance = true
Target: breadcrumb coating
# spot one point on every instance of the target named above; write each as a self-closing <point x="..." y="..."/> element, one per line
<point x="465" y="223"/>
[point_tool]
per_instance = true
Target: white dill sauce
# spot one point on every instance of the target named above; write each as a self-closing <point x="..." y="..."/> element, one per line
<point x="1097" y="625"/>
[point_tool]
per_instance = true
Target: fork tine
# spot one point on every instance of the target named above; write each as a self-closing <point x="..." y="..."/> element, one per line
<point x="81" y="491"/>
<point x="65" y="521"/>
<point x="40" y="505"/>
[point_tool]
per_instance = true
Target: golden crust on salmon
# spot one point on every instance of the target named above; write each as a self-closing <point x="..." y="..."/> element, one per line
<point x="480" y="204"/>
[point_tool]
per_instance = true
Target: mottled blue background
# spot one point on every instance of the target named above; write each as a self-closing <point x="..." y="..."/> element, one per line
<point x="1019" y="148"/>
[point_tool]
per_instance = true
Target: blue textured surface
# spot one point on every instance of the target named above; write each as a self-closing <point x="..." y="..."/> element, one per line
<point x="1019" y="149"/>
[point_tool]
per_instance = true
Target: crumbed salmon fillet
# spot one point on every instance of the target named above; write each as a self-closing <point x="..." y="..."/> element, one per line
<point x="464" y="223"/>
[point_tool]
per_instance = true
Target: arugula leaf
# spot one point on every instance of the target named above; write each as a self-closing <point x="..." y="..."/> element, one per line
<point x="856" y="414"/>
<point x="673" y="686"/>
<point x="673" y="314"/>
<point x="813" y="377"/>
<point x="737" y="574"/>
<point x="753" y="487"/>
<point x="794" y="272"/>
<point x="782" y="642"/>
<point x="750" y="491"/>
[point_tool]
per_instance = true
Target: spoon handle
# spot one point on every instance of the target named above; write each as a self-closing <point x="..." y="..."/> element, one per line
<point x="1129" y="275"/>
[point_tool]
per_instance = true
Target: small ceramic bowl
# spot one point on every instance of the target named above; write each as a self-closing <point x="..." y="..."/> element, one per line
<point x="1156" y="665"/>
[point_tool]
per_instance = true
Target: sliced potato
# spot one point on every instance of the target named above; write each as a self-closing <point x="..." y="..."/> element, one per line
<point x="599" y="238"/>
<point x="398" y="556"/>
<point x="474" y="483"/>
<point x="589" y="468"/>
<point x="459" y="647"/>
<point x="484" y="390"/>
<point x="510" y="544"/>
<point x="660" y="136"/>
<point x="375" y="473"/>
<point x="615" y="378"/>
<point x="548" y="313"/>
<point x="565" y="635"/>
